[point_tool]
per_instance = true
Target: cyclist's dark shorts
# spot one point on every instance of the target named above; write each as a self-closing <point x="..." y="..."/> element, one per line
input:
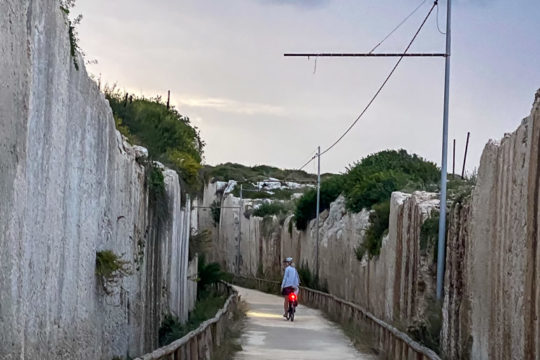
<point x="287" y="290"/>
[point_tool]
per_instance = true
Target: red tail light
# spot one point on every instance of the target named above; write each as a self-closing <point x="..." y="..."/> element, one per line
<point x="292" y="296"/>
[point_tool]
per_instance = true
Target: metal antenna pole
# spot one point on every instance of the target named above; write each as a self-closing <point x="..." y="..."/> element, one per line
<point x="442" y="218"/>
<point x="318" y="208"/>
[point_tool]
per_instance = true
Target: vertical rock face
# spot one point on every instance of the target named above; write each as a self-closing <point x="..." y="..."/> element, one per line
<point x="491" y="302"/>
<point x="70" y="187"/>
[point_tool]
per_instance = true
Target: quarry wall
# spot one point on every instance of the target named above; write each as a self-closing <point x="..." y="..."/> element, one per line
<point x="492" y="299"/>
<point x="70" y="187"/>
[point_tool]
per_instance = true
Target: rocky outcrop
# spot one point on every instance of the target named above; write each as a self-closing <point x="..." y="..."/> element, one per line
<point x="70" y="187"/>
<point x="492" y="303"/>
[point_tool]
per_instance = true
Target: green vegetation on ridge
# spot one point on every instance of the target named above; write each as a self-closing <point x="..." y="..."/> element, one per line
<point x="368" y="184"/>
<point x="306" y="207"/>
<point x="269" y="209"/>
<point x="238" y="172"/>
<point x="169" y="136"/>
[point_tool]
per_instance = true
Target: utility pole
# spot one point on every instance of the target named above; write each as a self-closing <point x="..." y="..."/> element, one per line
<point x="465" y="155"/>
<point x="444" y="166"/>
<point x="442" y="218"/>
<point x="318" y="208"/>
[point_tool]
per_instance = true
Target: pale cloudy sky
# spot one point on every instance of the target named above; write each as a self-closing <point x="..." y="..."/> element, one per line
<point x="223" y="62"/>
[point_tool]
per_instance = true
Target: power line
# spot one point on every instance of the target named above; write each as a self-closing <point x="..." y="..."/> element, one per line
<point x="438" y="27"/>
<point x="401" y="56"/>
<point x="307" y="163"/>
<point x="398" y="26"/>
<point x="316" y="55"/>
<point x="383" y="84"/>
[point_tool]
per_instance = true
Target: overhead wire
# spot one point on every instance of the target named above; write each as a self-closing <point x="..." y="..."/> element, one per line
<point x="398" y="26"/>
<point x="438" y="27"/>
<point x="307" y="163"/>
<point x="384" y="82"/>
<point x="387" y="78"/>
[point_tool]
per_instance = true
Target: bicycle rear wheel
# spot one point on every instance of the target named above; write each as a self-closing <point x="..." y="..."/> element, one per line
<point x="291" y="311"/>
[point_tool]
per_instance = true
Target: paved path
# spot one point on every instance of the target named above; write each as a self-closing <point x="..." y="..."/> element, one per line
<point x="268" y="335"/>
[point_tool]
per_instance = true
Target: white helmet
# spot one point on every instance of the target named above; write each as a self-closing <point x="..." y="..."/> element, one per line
<point x="289" y="260"/>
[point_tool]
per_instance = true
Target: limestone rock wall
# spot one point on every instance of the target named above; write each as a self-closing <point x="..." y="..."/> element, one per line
<point x="70" y="187"/>
<point x="492" y="297"/>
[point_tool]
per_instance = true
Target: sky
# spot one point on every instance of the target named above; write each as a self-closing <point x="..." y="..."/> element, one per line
<point x="223" y="63"/>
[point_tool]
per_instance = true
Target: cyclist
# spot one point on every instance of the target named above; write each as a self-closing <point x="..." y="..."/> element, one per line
<point x="290" y="283"/>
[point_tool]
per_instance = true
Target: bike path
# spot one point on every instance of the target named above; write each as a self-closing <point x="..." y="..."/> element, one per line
<point x="267" y="335"/>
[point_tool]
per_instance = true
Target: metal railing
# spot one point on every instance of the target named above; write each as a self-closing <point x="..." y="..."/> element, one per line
<point x="200" y="343"/>
<point x="389" y="341"/>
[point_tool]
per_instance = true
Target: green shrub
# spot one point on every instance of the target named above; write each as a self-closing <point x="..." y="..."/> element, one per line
<point x="109" y="265"/>
<point x="250" y="191"/>
<point x="291" y="221"/>
<point x="156" y="182"/>
<point x="304" y="273"/>
<point x="110" y="268"/>
<point x="269" y="209"/>
<point x="185" y="164"/>
<point x="238" y="172"/>
<point x="206" y="308"/>
<point x="124" y="130"/>
<point x="378" y="227"/>
<point x="215" y="210"/>
<point x="429" y="231"/>
<point x="429" y="234"/>
<point x="459" y="190"/>
<point x="373" y="189"/>
<point x="209" y="274"/>
<point x="169" y="136"/>
<point x="267" y="226"/>
<point x="375" y="177"/>
<point x="66" y="6"/>
<point x="157" y="197"/>
<point x="200" y="243"/>
<point x="309" y="280"/>
<point x="306" y="207"/>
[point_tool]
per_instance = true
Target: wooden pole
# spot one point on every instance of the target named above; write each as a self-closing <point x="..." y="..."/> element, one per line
<point x="454" y="160"/>
<point x="465" y="156"/>
<point x="168" y="99"/>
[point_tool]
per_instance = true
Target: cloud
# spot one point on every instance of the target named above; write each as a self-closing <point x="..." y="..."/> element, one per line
<point x="299" y="3"/>
<point x="229" y="105"/>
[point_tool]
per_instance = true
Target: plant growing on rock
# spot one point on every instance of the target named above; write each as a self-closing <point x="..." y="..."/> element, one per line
<point x="110" y="268"/>
<point x="209" y="274"/>
<point x="378" y="227"/>
<point x="199" y="243"/>
<point x="374" y="178"/>
<point x="156" y="190"/>
<point x="66" y="6"/>
<point x="215" y="210"/>
<point x="169" y="136"/>
<point x="305" y="210"/>
<point x="270" y="209"/>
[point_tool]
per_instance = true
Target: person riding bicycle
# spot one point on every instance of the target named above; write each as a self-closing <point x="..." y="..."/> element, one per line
<point x="290" y="282"/>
